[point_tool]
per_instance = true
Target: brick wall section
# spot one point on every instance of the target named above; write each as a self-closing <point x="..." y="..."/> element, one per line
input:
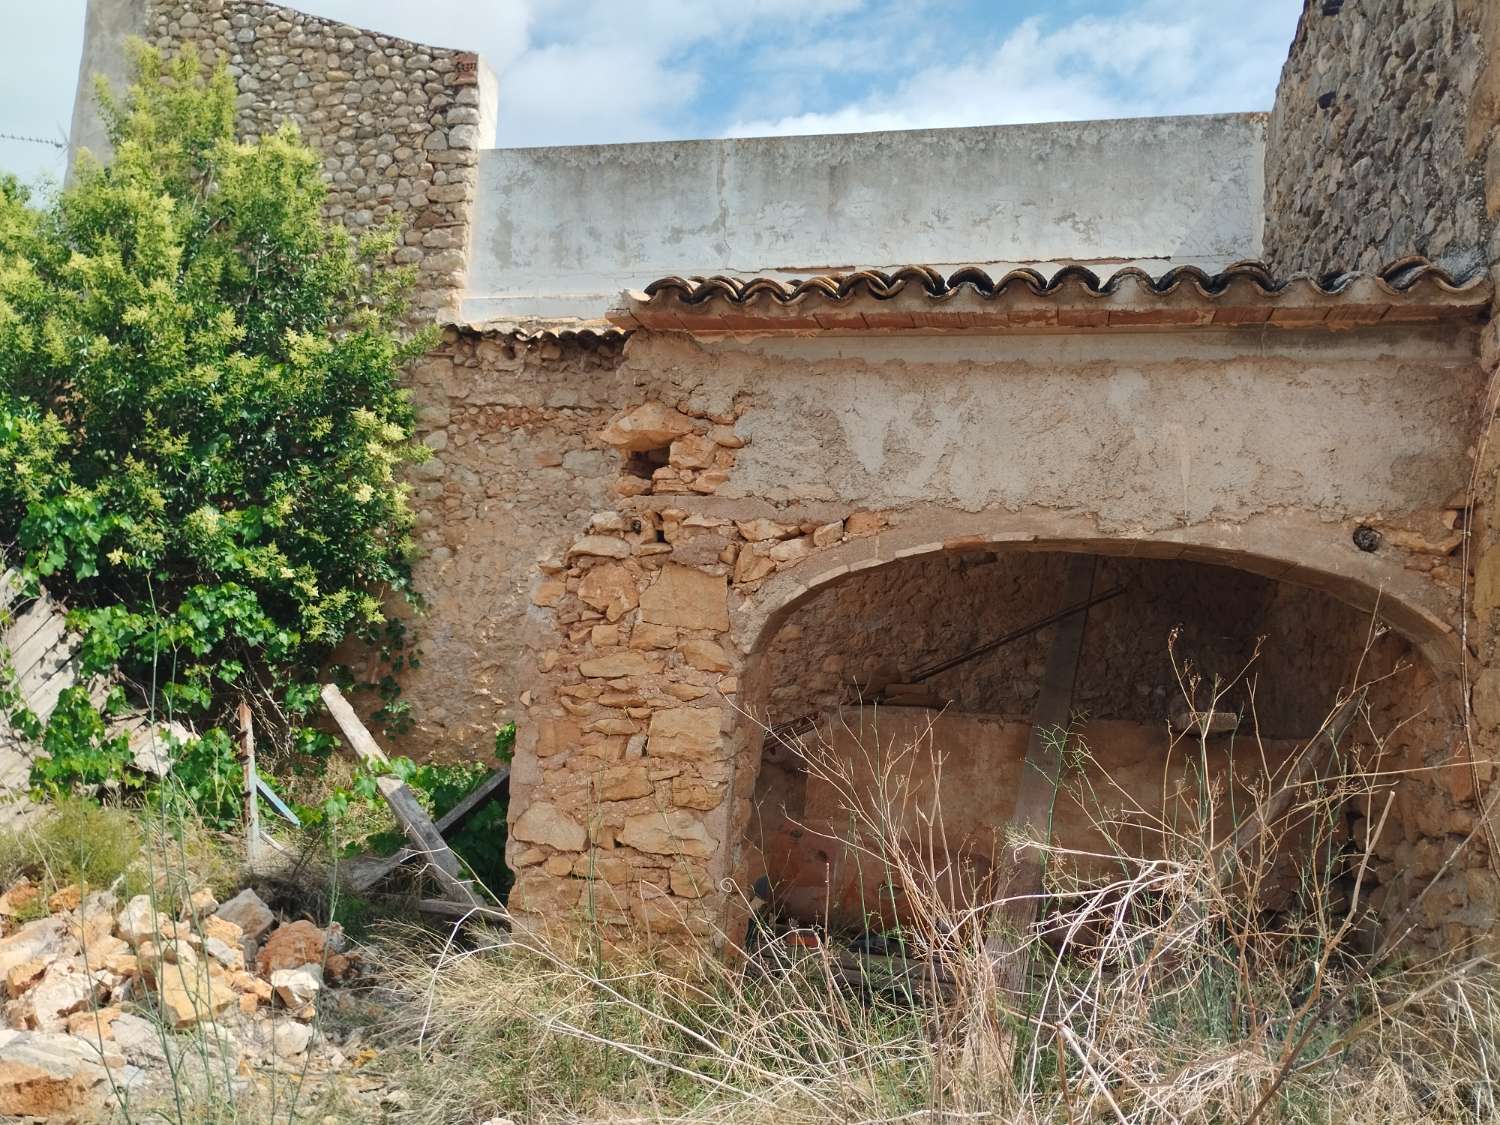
<point x="399" y="124"/>
<point x="1373" y="147"/>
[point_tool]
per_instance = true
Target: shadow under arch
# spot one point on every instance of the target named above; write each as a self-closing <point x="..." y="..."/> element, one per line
<point x="1296" y="551"/>
<point x="1290" y="549"/>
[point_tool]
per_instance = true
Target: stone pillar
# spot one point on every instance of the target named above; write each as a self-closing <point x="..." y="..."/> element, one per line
<point x="622" y="806"/>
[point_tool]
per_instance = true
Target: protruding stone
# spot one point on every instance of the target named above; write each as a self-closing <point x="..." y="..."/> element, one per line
<point x="616" y="665"/>
<point x="726" y="437"/>
<point x="858" y="524"/>
<point x="704" y="655"/>
<point x="625" y="783"/>
<point x="692" y="451"/>
<point x="668" y="832"/>
<point x="684" y="732"/>
<point x="759" y="530"/>
<point x="792" y="551"/>
<point x="611" y="589"/>
<point x="542" y="823"/>
<point x="649" y="426"/>
<point x="601" y="546"/>
<point x="828" y="534"/>
<point x="750" y="567"/>
<point x="548" y="592"/>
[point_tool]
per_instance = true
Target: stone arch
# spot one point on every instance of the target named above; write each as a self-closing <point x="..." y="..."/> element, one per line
<point x="1287" y="550"/>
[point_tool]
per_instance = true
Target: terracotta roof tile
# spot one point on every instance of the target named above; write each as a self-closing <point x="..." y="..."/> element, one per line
<point x="1073" y="298"/>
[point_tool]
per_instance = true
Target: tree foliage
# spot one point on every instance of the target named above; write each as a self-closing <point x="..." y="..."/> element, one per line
<point x="202" y="429"/>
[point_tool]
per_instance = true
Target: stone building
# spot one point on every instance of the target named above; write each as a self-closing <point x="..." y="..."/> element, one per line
<point x="728" y="434"/>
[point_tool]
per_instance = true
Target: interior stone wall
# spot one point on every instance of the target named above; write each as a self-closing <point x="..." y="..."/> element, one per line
<point x="880" y="626"/>
<point x="1379" y="139"/>
<point x="1429" y="870"/>
<point x="399" y="124"/>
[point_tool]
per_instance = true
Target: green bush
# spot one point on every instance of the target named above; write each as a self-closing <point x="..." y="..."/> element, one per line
<point x="77" y="842"/>
<point x="202" y="429"/>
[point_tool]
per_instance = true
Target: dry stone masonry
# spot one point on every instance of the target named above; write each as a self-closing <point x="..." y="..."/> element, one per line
<point x="723" y="504"/>
<point x="1378" y="144"/>
<point x="399" y="124"/>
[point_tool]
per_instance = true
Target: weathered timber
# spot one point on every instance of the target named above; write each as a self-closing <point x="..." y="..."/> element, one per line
<point x="1007" y="939"/>
<point x="359" y="737"/>
<point x="424" y="836"/>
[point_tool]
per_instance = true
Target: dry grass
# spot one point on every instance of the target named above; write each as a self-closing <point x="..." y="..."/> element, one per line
<point x="1229" y="971"/>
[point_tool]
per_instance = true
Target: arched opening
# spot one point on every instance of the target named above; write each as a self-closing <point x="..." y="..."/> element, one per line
<point x="1190" y="678"/>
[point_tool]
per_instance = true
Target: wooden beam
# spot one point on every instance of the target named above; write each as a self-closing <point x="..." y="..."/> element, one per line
<point x="364" y="743"/>
<point x="424" y="836"/>
<point x="252" y="801"/>
<point x="1040" y="774"/>
<point x="479" y="795"/>
<point x="371" y="871"/>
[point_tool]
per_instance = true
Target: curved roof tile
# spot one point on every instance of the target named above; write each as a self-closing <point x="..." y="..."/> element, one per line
<point x="1409" y="289"/>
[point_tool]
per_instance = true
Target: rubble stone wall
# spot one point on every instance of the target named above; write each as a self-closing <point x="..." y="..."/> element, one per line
<point x="1380" y="137"/>
<point x="712" y="487"/>
<point x="399" y="125"/>
<point x="1174" y="620"/>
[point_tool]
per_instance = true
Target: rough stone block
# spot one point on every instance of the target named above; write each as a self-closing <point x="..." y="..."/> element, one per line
<point x="687" y="598"/>
<point x="669" y="832"/>
<point x="544" y="823"/>
<point x="685" y="732"/>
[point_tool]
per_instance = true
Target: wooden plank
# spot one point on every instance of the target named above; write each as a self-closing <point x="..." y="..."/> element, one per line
<point x="363" y="872"/>
<point x="481" y="794"/>
<point x="449" y="908"/>
<point x="10" y="589"/>
<point x="363" y="742"/>
<point x="44" y="701"/>
<point x="425" y="839"/>
<point x="423" y="834"/>
<point x="252" y="803"/>
<point x="373" y="869"/>
<point x="36" y="613"/>
<point x="1040" y="774"/>
<point x="53" y="633"/>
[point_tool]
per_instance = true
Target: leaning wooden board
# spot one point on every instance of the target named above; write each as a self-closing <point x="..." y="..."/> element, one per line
<point x="426" y="840"/>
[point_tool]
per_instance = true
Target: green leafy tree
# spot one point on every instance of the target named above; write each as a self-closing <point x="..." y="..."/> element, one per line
<point x="202" y="429"/>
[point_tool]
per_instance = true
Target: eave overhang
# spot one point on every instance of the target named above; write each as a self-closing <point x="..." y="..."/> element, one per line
<point x="1074" y="299"/>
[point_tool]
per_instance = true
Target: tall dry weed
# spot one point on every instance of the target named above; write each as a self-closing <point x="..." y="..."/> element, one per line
<point x="1216" y="961"/>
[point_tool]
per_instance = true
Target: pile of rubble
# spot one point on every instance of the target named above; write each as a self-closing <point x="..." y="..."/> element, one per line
<point x="101" y="1000"/>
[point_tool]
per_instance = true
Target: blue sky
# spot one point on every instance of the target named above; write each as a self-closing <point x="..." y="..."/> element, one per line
<point x="596" y="71"/>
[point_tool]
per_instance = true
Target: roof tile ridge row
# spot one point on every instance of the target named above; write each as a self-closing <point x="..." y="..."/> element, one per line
<point x="1395" y="278"/>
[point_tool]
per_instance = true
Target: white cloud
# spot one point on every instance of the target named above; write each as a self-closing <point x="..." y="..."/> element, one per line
<point x="1159" y="57"/>
<point x="594" y="71"/>
<point x="589" y="71"/>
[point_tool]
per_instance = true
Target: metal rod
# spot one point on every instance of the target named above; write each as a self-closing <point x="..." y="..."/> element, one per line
<point x="1017" y="634"/>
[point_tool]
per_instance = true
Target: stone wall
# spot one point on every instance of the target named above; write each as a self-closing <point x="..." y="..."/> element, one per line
<point x="880" y="626"/>
<point x="1378" y="143"/>
<point x="510" y="419"/>
<point x="739" y="476"/>
<point x="399" y="125"/>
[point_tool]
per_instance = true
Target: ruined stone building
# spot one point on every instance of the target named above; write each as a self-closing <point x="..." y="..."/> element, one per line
<point x="732" y="433"/>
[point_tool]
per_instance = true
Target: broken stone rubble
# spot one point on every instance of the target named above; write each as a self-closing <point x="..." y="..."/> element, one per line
<point x="94" y="991"/>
